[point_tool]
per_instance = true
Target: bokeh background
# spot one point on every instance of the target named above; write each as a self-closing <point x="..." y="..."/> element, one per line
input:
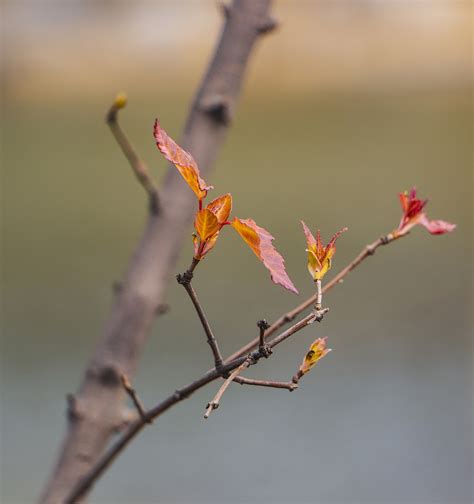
<point x="348" y="103"/>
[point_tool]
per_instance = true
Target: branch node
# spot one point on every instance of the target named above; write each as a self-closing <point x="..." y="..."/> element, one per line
<point x="320" y="314"/>
<point x="73" y="411"/>
<point x="371" y="249"/>
<point x="265" y="351"/>
<point x="225" y="9"/>
<point x="184" y="278"/>
<point x="117" y="287"/>
<point x="153" y="201"/>
<point x="268" y="25"/>
<point x="162" y="308"/>
<point x="386" y="239"/>
<point x="134" y="397"/>
<point x="218" y="108"/>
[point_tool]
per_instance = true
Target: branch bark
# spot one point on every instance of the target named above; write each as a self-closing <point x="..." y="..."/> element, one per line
<point x="369" y="250"/>
<point x="98" y="409"/>
<point x="230" y="364"/>
<point x="85" y="484"/>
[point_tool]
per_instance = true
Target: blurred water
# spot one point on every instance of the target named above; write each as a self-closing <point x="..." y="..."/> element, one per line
<point x="387" y="417"/>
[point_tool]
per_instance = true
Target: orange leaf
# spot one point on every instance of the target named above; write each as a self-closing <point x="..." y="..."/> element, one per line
<point x="182" y="160"/>
<point x="260" y="241"/>
<point x="221" y="207"/>
<point x="316" y="352"/>
<point x="206" y="224"/>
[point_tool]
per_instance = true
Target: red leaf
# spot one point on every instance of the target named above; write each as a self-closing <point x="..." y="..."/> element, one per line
<point x="260" y="241"/>
<point x="182" y="160"/>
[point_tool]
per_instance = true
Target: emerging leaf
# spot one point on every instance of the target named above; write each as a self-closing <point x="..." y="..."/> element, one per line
<point x="221" y="207"/>
<point x="260" y="241"/>
<point x="316" y="352"/>
<point x="413" y="214"/>
<point x="182" y="160"/>
<point x="209" y="222"/>
<point x="319" y="256"/>
<point x="206" y="224"/>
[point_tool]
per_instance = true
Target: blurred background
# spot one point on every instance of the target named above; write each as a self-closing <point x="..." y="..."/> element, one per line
<point x="345" y="105"/>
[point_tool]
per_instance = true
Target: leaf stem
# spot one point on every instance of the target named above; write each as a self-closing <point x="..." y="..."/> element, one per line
<point x="319" y="295"/>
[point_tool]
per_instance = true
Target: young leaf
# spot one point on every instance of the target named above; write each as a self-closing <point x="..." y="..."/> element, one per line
<point x="316" y="352"/>
<point x="221" y="207"/>
<point x="319" y="256"/>
<point x="182" y="160"/>
<point x="206" y="224"/>
<point x="260" y="241"/>
<point x="413" y="214"/>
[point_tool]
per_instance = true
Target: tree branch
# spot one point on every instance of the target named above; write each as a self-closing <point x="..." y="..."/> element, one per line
<point x="214" y="404"/>
<point x="134" y="397"/>
<point x="85" y="484"/>
<point x="266" y="383"/>
<point x="185" y="280"/>
<point x="138" y="166"/>
<point x="134" y="309"/>
<point x="368" y="251"/>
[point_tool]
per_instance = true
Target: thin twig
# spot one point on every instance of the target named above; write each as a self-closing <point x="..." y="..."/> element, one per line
<point x="368" y="251"/>
<point x="319" y="295"/>
<point x="214" y="404"/>
<point x="231" y="363"/>
<point x="86" y="483"/>
<point x="264" y="349"/>
<point x="185" y="280"/>
<point x="138" y="166"/>
<point x="134" y="397"/>
<point x="255" y="356"/>
<point x="265" y="383"/>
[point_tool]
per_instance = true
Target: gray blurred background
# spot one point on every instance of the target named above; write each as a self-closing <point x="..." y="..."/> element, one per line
<point x="347" y="104"/>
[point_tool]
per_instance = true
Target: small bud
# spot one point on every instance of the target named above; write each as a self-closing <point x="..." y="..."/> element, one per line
<point x="316" y="352"/>
<point x="120" y="101"/>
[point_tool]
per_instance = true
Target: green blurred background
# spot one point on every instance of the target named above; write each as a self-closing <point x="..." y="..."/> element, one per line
<point x="347" y="104"/>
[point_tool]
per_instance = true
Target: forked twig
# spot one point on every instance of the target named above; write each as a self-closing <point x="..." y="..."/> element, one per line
<point x="134" y="397"/>
<point x="231" y="363"/>
<point x="214" y="404"/>
<point x="368" y="251"/>
<point x="255" y="356"/>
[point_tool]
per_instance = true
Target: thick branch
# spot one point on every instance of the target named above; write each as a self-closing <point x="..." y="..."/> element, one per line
<point x="101" y="394"/>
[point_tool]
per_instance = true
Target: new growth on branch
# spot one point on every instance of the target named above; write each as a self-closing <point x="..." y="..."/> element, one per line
<point x="208" y="223"/>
